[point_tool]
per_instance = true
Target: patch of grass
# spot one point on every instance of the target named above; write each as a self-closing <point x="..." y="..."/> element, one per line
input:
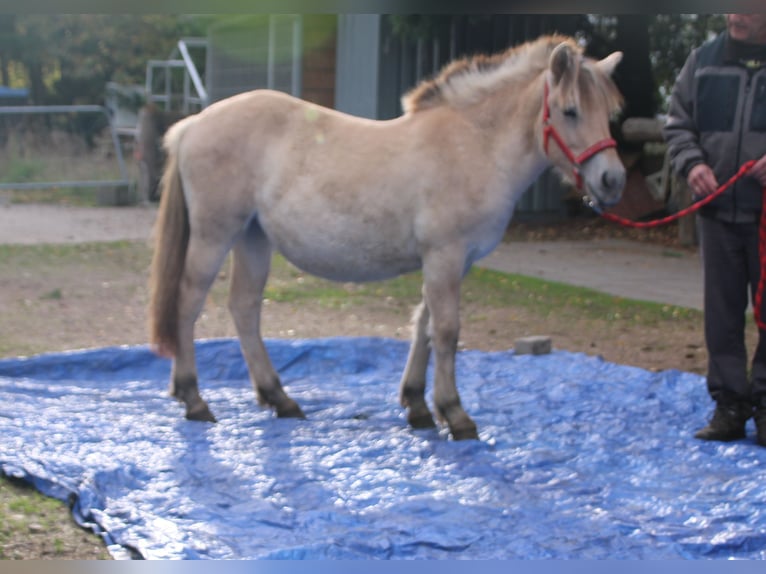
<point x="134" y="255"/>
<point x="58" y="546"/>
<point x="488" y="287"/>
<point x="23" y="170"/>
<point x="54" y="295"/>
<point x="31" y="525"/>
<point x="288" y="284"/>
<point x="74" y="196"/>
<point x="10" y="347"/>
<point x="54" y="274"/>
<point x="54" y="156"/>
<point x="545" y="297"/>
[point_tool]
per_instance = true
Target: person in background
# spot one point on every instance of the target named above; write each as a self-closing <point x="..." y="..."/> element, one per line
<point x="716" y="122"/>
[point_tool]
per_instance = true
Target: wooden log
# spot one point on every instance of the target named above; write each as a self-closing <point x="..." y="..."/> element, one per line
<point x="687" y="226"/>
<point x="642" y="130"/>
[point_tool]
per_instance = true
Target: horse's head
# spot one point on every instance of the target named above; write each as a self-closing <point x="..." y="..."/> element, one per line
<point x="579" y="98"/>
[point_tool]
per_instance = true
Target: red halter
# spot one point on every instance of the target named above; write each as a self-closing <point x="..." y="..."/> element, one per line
<point x="576" y="161"/>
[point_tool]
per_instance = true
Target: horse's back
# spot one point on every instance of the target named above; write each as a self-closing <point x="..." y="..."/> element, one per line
<point x="341" y="197"/>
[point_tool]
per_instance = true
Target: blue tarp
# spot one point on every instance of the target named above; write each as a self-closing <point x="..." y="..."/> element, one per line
<point x="578" y="458"/>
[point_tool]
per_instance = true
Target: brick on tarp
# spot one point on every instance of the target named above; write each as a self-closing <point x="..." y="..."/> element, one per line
<point x="533" y="345"/>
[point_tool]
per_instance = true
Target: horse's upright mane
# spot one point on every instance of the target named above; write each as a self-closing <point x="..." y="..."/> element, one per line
<point x="463" y="79"/>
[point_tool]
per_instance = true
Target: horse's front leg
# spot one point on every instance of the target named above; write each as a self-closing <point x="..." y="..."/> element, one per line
<point x="413" y="385"/>
<point x="250" y="269"/>
<point x="442" y="274"/>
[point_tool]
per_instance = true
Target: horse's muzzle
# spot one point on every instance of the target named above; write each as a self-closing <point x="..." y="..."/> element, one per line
<point x="608" y="192"/>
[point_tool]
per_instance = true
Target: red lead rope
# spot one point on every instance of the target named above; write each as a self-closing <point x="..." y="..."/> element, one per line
<point x="746" y="167"/>
<point x="758" y="303"/>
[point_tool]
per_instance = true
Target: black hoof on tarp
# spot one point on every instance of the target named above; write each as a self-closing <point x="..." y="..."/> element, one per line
<point x="202" y="415"/>
<point x="465" y="433"/>
<point x="421" y="421"/>
<point x="290" y="411"/>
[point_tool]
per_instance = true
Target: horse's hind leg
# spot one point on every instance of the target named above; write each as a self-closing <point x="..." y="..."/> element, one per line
<point x="413" y="385"/>
<point x="250" y="269"/>
<point x="203" y="260"/>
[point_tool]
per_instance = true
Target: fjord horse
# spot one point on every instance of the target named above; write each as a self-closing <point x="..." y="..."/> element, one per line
<point x="352" y="199"/>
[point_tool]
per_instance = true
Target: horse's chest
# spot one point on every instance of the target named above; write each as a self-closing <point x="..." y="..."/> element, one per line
<point x="483" y="238"/>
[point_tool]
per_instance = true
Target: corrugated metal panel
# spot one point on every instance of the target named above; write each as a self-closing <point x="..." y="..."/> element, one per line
<point x="405" y="63"/>
<point x="544" y="197"/>
<point x="358" y="64"/>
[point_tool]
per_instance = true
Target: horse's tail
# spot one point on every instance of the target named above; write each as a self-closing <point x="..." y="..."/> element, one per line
<point x="171" y="240"/>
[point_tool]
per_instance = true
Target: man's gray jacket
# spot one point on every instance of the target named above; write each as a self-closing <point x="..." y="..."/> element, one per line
<point x="717" y="116"/>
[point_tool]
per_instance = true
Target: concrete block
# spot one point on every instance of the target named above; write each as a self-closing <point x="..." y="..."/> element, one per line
<point x="116" y="196"/>
<point x="533" y="345"/>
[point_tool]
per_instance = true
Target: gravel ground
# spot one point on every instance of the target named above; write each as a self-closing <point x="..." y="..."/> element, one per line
<point x="38" y="223"/>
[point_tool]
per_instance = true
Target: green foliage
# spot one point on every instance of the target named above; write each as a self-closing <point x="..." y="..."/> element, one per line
<point x="22" y="170"/>
<point x="68" y="58"/>
<point x="672" y="38"/>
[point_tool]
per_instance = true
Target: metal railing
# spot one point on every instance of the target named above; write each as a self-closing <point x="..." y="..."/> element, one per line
<point x="124" y="180"/>
<point x="191" y="77"/>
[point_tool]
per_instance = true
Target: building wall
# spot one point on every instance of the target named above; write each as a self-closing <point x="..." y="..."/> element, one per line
<point x="319" y="56"/>
<point x="358" y="63"/>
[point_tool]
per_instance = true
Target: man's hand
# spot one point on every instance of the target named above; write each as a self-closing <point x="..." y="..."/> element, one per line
<point x="702" y="180"/>
<point x="758" y="171"/>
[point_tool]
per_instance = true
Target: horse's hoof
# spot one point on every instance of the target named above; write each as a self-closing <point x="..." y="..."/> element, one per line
<point x="421" y="420"/>
<point x="465" y="433"/>
<point x="290" y="411"/>
<point x="201" y="414"/>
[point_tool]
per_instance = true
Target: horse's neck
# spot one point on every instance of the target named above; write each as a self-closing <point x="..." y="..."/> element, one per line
<point x="516" y="126"/>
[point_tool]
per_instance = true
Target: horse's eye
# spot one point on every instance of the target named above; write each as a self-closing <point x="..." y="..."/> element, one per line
<point x="570" y="113"/>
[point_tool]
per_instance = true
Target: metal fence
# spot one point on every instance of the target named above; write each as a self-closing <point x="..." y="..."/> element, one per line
<point x="160" y="80"/>
<point x="121" y="183"/>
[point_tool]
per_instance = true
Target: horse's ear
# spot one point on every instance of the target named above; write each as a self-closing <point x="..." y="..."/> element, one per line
<point x="563" y="62"/>
<point x="609" y="63"/>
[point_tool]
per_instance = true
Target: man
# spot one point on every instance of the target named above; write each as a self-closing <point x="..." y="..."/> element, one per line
<point x="716" y="122"/>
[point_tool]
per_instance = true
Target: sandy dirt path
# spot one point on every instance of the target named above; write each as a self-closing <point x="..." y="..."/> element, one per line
<point x="39" y="223"/>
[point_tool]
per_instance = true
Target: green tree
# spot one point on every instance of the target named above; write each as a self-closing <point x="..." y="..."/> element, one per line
<point x="69" y="58"/>
<point x="673" y="36"/>
<point x="7" y="30"/>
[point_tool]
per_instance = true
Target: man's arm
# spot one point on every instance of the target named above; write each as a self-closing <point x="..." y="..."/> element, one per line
<point x="681" y="134"/>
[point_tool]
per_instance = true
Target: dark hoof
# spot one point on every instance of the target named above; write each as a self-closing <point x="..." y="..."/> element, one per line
<point x="290" y="411"/>
<point x="421" y="420"/>
<point x="202" y="414"/>
<point x="465" y="433"/>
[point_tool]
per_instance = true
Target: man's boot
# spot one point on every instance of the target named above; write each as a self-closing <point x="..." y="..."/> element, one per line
<point x="760" y="423"/>
<point x="728" y="422"/>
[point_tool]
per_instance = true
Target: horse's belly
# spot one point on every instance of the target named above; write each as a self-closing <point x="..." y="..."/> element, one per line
<point x="357" y="268"/>
<point x="347" y="245"/>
